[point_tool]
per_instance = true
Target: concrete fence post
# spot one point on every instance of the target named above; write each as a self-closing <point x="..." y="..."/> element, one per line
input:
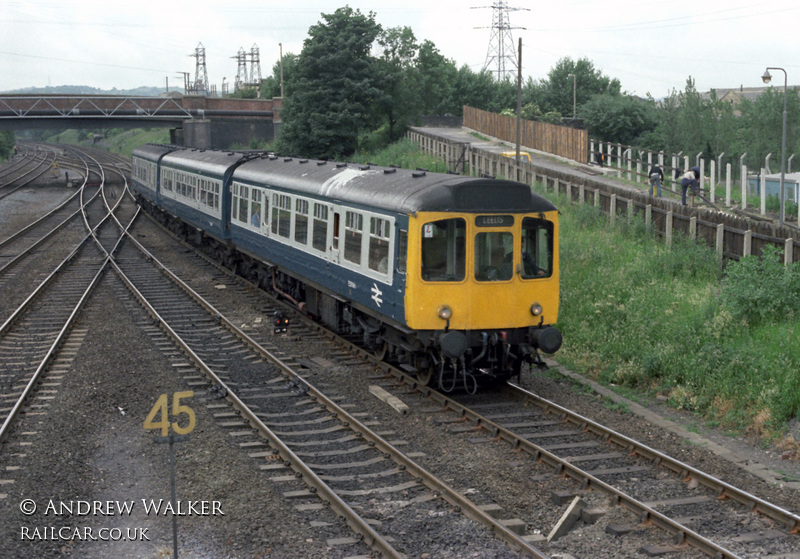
<point x="648" y="214"/>
<point x="744" y="187"/>
<point x="612" y="209"/>
<point x="713" y="186"/>
<point x="693" y="227"/>
<point x="763" y="191"/>
<point x="720" y="238"/>
<point x="728" y="185"/>
<point x="596" y="197"/>
<point x="668" y="229"/>
<point x="748" y="243"/>
<point x="788" y="250"/>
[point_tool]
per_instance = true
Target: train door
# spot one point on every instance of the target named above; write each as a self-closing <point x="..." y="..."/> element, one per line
<point x="336" y="235"/>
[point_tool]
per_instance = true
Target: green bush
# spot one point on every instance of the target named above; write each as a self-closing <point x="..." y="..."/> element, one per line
<point x="762" y="289"/>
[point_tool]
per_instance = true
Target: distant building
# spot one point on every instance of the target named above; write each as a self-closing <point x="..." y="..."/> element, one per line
<point x="735" y="96"/>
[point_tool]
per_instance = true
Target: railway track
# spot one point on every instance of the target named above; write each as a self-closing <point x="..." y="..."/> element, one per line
<point x="326" y="455"/>
<point x="696" y="514"/>
<point x="493" y="474"/>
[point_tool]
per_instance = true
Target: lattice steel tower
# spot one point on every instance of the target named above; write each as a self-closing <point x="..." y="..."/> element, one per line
<point x="241" y="72"/>
<point x="255" y="67"/>
<point x="501" y="44"/>
<point x="200" y="74"/>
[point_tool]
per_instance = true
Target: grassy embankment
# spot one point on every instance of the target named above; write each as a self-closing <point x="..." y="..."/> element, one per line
<point x="651" y="319"/>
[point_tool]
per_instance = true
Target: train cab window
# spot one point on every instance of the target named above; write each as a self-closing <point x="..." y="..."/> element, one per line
<point x="494" y="252"/>
<point x="537" y="248"/>
<point x="444" y="252"/>
<point x="354" y="224"/>
<point x="320" y="234"/>
<point x="379" y="231"/>
<point x="301" y="221"/>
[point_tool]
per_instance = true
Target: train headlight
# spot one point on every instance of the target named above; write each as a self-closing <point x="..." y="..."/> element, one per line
<point x="536" y="309"/>
<point x="445" y="312"/>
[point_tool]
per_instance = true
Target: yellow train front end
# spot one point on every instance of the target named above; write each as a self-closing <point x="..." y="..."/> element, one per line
<point x="482" y="289"/>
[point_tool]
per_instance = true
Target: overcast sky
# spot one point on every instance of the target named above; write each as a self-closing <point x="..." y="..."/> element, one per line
<point x="650" y="46"/>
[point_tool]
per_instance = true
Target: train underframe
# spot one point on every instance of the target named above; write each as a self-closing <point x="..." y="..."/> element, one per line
<point x="449" y="360"/>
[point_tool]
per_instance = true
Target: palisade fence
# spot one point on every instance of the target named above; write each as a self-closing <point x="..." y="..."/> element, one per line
<point x="733" y="237"/>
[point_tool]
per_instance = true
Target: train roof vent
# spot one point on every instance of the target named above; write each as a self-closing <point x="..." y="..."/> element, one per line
<point x="340" y="165"/>
<point x="421" y="169"/>
<point x="418" y="174"/>
<point x="303" y="161"/>
<point x="322" y="162"/>
<point x="487" y="176"/>
<point x="449" y="172"/>
<point x="389" y="171"/>
<point x="273" y="157"/>
<point x="364" y="168"/>
<point x="287" y="159"/>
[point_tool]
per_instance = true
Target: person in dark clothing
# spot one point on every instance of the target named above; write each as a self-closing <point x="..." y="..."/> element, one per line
<point x="656" y="178"/>
<point x="690" y="179"/>
<point x="600" y="158"/>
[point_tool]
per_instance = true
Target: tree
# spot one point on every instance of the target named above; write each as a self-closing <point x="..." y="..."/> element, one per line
<point x="271" y="86"/>
<point x="557" y="91"/>
<point x="618" y="118"/>
<point x="398" y="78"/>
<point x="333" y="87"/>
<point x="437" y="80"/>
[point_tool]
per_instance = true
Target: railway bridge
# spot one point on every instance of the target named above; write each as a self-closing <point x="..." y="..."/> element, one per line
<point x="193" y="120"/>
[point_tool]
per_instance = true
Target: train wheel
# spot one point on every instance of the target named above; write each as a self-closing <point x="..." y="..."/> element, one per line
<point x="426" y="374"/>
<point x="381" y="351"/>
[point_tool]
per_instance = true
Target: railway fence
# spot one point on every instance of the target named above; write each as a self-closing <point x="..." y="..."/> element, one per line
<point x="732" y="236"/>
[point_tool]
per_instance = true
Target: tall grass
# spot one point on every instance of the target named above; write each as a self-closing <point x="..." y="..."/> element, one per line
<point x="662" y="320"/>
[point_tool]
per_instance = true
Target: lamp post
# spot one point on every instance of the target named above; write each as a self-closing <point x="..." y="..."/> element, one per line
<point x="767" y="77"/>
<point x="574" y="96"/>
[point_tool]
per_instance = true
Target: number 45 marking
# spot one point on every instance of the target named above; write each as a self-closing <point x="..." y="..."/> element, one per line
<point x="177" y="409"/>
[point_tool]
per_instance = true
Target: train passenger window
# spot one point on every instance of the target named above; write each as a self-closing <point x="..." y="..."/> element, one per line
<point x="244" y="195"/>
<point x="491" y="263"/>
<point x="281" y="214"/>
<point x="255" y="207"/>
<point x="301" y="221"/>
<point x="320" y="233"/>
<point x="537" y="248"/>
<point x="444" y="252"/>
<point x="354" y="225"/>
<point x="379" y="233"/>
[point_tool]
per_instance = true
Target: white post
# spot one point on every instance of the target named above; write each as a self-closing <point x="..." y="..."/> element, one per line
<point x="728" y="185"/>
<point x="713" y="185"/>
<point x="702" y="173"/>
<point x="763" y="191"/>
<point x="744" y="187"/>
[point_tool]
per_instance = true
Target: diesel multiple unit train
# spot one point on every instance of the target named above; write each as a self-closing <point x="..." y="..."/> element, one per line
<point x="454" y="278"/>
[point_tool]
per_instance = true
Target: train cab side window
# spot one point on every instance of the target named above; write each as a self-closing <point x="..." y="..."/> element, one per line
<point x="402" y="251"/>
<point x="443" y="250"/>
<point x="494" y="252"/>
<point x="537" y="248"/>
